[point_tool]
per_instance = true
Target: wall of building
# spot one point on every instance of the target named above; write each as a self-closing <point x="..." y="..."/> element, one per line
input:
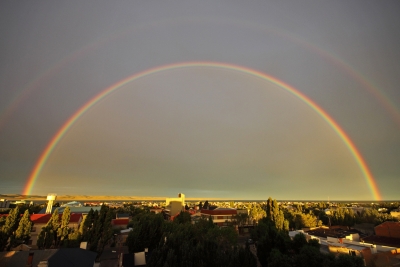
<point x="221" y="217"/>
<point x="395" y="214"/>
<point x="175" y="207"/>
<point x="4" y="203"/>
<point x="364" y="253"/>
<point x="388" y="229"/>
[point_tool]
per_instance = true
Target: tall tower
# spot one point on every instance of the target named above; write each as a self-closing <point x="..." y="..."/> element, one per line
<point x="50" y="198"/>
<point x="182" y="197"/>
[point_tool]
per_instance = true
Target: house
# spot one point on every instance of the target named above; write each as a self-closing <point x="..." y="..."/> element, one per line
<point x="123" y="216"/>
<point x="156" y="210"/>
<point x="175" y="205"/>
<point x="73" y="209"/>
<point x="72" y="204"/>
<point x="354" y="250"/>
<point x="388" y="229"/>
<point x="220" y="216"/>
<point x="353" y="242"/>
<point x="4" y="203"/>
<point x="76" y="257"/>
<point x="386" y="234"/>
<point x="308" y="237"/>
<point x="64" y="257"/>
<point x="120" y="223"/>
<point x="40" y="220"/>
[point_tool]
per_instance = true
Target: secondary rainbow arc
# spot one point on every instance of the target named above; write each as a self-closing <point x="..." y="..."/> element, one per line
<point x="334" y="125"/>
<point x="379" y="95"/>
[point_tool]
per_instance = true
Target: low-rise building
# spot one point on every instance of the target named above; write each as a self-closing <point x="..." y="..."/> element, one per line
<point x="175" y="205"/>
<point x="50" y="258"/>
<point x="353" y="242"/>
<point x="388" y="229"/>
<point x="386" y="234"/>
<point x="4" y="203"/>
<point x="74" y="209"/>
<point x="396" y="214"/>
<point x="364" y="252"/>
<point x="220" y="216"/>
<point x="120" y="223"/>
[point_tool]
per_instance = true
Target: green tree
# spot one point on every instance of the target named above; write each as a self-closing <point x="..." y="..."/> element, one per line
<point x="245" y="257"/>
<point x="183" y="217"/>
<point x="51" y="228"/>
<point x="257" y="213"/>
<point x="309" y="257"/>
<point x="98" y="227"/>
<point x="265" y="235"/>
<point x="54" y="222"/>
<point x="3" y="239"/>
<point x="11" y="226"/>
<point x="86" y="226"/>
<point x="107" y="231"/>
<point x="268" y="208"/>
<point x="23" y="232"/>
<point x="148" y="229"/>
<point x="74" y="239"/>
<point x="45" y="238"/>
<point x="275" y="214"/>
<point x="345" y="260"/>
<point x="201" y="244"/>
<point x="302" y="220"/>
<point x="277" y="259"/>
<point x="299" y="241"/>
<point x="55" y="232"/>
<point x="2" y="221"/>
<point x="63" y="230"/>
<point x="225" y="237"/>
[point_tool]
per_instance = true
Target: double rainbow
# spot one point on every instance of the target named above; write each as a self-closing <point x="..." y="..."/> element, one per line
<point x="335" y="126"/>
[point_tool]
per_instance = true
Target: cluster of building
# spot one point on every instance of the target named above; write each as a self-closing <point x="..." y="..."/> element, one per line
<point x="381" y="249"/>
<point x="221" y="216"/>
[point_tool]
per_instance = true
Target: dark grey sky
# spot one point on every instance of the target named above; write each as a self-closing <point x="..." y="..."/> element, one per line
<point x="204" y="131"/>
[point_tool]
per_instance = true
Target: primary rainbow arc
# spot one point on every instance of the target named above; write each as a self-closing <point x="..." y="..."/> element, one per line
<point x="334" y="125"/>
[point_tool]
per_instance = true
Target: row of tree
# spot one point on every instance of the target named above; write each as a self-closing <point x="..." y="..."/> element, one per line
<point x="181" y="243"/>
<point x="275" y="248"/>
<point x="345" y="216"/>
<point x="14" y="229"/>
<point x="57" y="233"/>
<point x="96" y="229"/>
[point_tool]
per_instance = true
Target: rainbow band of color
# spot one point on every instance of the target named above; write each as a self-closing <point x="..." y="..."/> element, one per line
<point x="335" y="126"/>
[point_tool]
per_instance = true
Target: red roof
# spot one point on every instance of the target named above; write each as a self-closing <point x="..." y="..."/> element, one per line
<point x="40" y="218"/>
<point x="120" y="221"/>
<point x="388" y="229"/>
<point x="44" y="218"/>
<point x="382" y="240"/>
<point x="219" y="212"/>
<point x="75" y="217"/>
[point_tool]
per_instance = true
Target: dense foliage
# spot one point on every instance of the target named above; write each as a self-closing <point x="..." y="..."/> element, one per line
<point x="181" y="243"/>
<point x="14" y="229"/>
<point x="276" y="249"/>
